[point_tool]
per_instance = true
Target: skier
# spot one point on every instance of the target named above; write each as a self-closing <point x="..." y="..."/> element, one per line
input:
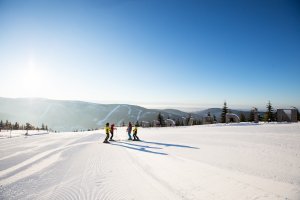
<point x="129" y="128"/>
<point x="112" y="128"/>
<point x="107" y="129"/>
<point x="135" y="137"/>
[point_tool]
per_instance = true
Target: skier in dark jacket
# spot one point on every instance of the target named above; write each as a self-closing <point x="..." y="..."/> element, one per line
<point x="129" y="128"/>
<point x="112" y="128"/>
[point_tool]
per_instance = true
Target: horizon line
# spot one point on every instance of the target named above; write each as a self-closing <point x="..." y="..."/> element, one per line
<point x="185" y="107"/>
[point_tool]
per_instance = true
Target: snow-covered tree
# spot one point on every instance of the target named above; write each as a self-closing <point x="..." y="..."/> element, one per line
<point x="161" y="120"/>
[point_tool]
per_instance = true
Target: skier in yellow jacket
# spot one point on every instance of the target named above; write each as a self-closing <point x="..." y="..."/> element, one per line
<point x="107" y="130"/>
<point x="135" y="137"/>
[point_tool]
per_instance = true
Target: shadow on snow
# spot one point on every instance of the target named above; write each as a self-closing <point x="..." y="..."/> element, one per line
<point x="144" y="148"/>
<point x="169" y="145"/>
<point x="140" y="148"/>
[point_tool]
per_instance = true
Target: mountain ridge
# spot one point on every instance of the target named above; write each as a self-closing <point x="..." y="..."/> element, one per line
<point x="73" y="115"/>
<point x="68" y="115"/>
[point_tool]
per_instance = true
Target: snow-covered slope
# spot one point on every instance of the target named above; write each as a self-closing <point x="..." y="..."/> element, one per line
<point x="75" y="115"/>
<point x="237" y="161"/>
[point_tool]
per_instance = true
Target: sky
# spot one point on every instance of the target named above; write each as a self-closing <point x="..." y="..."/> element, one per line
<point x="155" y="53"/>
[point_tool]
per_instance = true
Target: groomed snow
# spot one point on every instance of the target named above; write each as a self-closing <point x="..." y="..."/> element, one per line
<point x="227" y="162"/>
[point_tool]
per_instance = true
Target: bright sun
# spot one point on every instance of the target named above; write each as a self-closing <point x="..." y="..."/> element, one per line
<point x="32" y="79"/>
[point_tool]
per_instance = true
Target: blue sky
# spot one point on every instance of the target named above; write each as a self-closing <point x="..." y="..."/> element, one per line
<point x="187" y="54"/>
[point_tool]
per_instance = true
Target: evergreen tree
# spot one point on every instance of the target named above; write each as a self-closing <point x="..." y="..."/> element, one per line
<point x="1" y="124"/>
<point x="188" y="119"/>
<point x="214" y="118"/>
<point x="28" y="126"/>
<point x="275" y="116"/>
<point x="137" y="124"/>
<point x="224" y="112"/>
<point x="161" y="120"/>
<point x="16" y="126"/>
<point x="269" y="115"/>
<point x="177" y="122"/>
<point x="293" y="108"/>
<point x="242" y="117"/>
<point x="260" y="117"/>
<point x="251" y="116"/>
<point x="182" y="122"/>
<point x="200" y="122"/>
<point x="195" y="122"/>
<point x="43" y="126"/>
<point x="6" y="125"/>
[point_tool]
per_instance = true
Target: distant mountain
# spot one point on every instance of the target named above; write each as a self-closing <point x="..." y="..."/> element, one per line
<point x="77" y="115"/>
<point x="213" y="111"/>
<point x="180" y="113"/>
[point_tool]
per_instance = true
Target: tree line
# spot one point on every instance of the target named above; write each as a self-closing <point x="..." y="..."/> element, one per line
<point x="7" y="125"/>
<point x="161" y="121"/>
<point x="269" y="116"/>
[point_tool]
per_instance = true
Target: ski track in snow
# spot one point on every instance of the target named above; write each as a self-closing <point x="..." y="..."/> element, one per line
<point x="120" y="122"/>
<point x="188" y="166"/>
<point x="139" y="115"/>
<point x="101" y="122"/>
<point x="102" y="177"/>
<point x="7" y="176"/>
<point x="46" y="111"/>
<point x="129" y="110"/>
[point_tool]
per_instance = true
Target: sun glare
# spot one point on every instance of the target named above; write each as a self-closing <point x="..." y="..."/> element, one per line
<point x="32" y="79"/>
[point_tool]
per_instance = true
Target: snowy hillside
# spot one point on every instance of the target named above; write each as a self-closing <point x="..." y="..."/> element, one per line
<point x="75" y="115"/>
<point x="65" y="115"/>
<point x="228" y="162"/>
